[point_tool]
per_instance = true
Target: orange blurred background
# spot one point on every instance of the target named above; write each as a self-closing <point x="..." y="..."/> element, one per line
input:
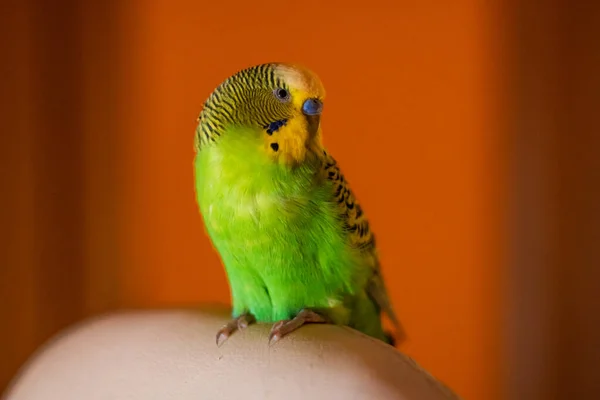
<point x="466" y="128"/>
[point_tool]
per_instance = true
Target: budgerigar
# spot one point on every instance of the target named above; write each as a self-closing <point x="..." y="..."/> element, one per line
<point x="294" y="241"/>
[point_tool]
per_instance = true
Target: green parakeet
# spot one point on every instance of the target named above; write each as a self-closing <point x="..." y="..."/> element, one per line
<point x="295" y="243"/>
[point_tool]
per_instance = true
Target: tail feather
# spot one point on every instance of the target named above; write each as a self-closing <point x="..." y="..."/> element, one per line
<point x="390" y="339"/>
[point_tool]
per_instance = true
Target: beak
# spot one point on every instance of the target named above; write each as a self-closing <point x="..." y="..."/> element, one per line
<point x="312" y="107"/>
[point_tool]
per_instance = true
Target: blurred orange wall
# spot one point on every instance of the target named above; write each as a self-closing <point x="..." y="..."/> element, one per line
<point x="410" y="115"/>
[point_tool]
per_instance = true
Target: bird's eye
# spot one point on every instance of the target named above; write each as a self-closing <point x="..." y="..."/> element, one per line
<point x="282" y="94"/>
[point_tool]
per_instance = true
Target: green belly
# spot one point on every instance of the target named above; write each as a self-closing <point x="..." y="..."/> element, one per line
<point x="277" y="266"/>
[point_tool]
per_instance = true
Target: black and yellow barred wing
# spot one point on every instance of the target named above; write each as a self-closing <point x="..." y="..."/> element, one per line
<point x="361" y="236"/>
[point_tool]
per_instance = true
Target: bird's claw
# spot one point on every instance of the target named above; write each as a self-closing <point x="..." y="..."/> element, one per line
<point x="239" y="323"/>
<point x="285" y="327"/>
<point x="275" y="333"/>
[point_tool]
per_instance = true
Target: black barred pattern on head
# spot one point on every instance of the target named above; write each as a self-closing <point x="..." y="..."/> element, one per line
<point x="245" y="98"/>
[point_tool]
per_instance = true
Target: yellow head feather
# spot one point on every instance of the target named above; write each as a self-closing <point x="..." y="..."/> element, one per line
<point x="295" y="140"/>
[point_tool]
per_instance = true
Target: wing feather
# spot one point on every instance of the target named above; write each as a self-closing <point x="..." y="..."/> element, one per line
<point x="361" y="236"/>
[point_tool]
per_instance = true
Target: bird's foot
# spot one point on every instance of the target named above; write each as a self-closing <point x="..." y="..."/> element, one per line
<point x="239" y="323"/>
<point x="285" y="327"/>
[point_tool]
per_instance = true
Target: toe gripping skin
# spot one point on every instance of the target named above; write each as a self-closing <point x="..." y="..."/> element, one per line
<point x="239" y="323"/>
<point x="279" y="329"/>
<point x="285" y="327"/>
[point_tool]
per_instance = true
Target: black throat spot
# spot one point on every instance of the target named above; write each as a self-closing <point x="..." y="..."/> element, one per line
<point x="275" y="126"/>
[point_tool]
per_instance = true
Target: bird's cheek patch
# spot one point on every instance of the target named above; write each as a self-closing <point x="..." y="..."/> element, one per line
<point x="288" y="141"/>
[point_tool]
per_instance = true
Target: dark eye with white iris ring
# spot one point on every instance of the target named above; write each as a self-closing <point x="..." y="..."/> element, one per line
<point x="282" y="94"/>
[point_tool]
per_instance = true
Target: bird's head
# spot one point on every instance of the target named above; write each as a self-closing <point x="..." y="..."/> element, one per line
<point x="277" y="105"/>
